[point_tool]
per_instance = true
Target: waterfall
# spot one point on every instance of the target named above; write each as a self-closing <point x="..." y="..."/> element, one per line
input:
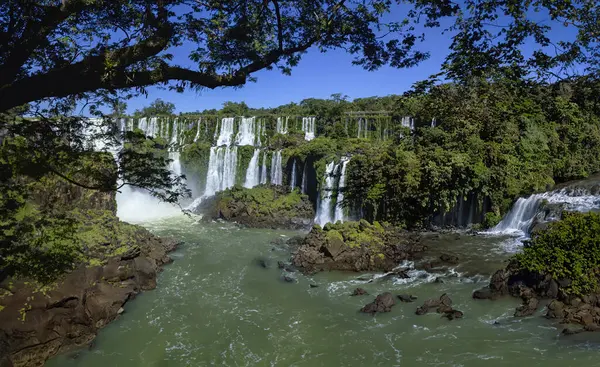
<point x="198" y="130"/>
<point x="304" y="188"/>
<point x="408" y="122"/>
<point x="433" y="122"/>
<point x="226" y="132"/>
<point x="216" y="134"/>
<point x="276" y="170"/>
<point x="339" y="209"/>
<point x="253" y="172"/>
<point x="245" y="135"/>
<point x="324" y="206"/>
<point x="222" y="165"/>
<point x="260" y="132"/>
<point x="308" y="126"/>
<point x="282" y="125"/>
<point x="175" y="133"/>
<point x="293" y="178"/>
<point x="175" y="165"/>
<point x="363" y="128"/>
<point x="523" y="213"/>
<point x="263" y="175"/>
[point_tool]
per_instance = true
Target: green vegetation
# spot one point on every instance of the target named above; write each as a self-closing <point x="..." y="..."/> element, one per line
<point x="357" y="234"/>
<point x="265" y="201"/>
<point x="568" y="249"/>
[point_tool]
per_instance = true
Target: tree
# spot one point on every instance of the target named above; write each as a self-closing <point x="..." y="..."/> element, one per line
<point x="156" y="108"/>
<point x="118" y="108"/>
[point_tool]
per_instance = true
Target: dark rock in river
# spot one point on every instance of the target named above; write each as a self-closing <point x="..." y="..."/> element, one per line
<point x="442" y="305"/>
<point x="359" y="292"/>
<point x="314" y="285"/>
<point x="407" y="298"/>
<point x="288" y="279"/>
<point x="263" y="262"/>
<point x="280" y="264"/>
<point x="383" y="303"/>
<point x="449" y="259"/>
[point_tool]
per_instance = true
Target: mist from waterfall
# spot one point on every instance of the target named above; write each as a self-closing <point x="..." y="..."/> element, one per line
<point x="276" y="169"/>
<point x="253" y="171"/>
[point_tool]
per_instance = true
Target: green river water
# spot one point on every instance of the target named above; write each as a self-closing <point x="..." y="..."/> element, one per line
<point x="216" y="306"/>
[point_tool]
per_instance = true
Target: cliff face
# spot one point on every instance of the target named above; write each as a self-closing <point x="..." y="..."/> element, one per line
<point x="115" y="261"/>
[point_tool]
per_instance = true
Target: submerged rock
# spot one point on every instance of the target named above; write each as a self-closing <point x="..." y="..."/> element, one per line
<point x="407" y="298"/>
<point x="359" y="292"/>
<point x="383" y="303"/>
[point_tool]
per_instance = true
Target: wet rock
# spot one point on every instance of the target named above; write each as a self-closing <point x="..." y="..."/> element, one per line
<point x="280" y="264"/>
<point x="453" y="314"/>
<point x="572" y="331"/>
<point x="383" y="303"/>
<point x="555" y="310"/>
<point x="444" y="309"/>
<point x="288" y="279"/>
<point x="530" y="302"/>
<point x="359" y="292"/>
<point x="445" y="300"/>
<point x="484" y="293"/>
<point x="263" y="262"/>
<point x="407" y="298"/>
<point x="314" y="285"/>
<point x="438" y="280"/>
<point x="592" y="327"/>
<point x="449" y="259"/>
<point x="289" y="268"/>
<point x="442" y="304"/>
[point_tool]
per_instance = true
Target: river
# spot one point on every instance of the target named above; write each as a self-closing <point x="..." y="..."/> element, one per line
<point x="215" y="305"/>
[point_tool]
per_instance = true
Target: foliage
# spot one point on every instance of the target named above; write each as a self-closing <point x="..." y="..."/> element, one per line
<point x="357" y="234"/>
<point x="156" y="108"/>
<point x="264" y="201"/>
<point x="567" y="249"/>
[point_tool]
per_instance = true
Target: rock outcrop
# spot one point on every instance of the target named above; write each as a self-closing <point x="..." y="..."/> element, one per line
<point x="382" y="303"/>
<point x="356" y="246"/>
<point x="38" y="323"/>
<point x="263" y="207"/>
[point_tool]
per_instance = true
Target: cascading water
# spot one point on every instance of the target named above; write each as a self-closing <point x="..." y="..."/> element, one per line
<point x="245" y="135"/>
<point x="282" y="125"/>
<point x="260" y="132"/>
<point x="339" y="209"/>
<point x="324" y="206"/>
<point x="308" y="126"/>
<point x="226" y="132"/>
<point x="363" y="128"/>
<point x="175" y="133"/>
<point x="276" y="170"/>
<point x="293" y="178"/>
<point x="222" y="165"/>
<point x="408" y="122"/>
<point x="433" y="122"/>
<point x="253" y="171"/>
<point x="519" y="219"/>
<point x="263" y="174"/>
<point x="304" y="187"/>
<point x="175" y="165"/>
<point x="198" y="130"/>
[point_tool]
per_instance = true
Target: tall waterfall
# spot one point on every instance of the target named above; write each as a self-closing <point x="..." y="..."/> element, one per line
<point x="304" y="187"/>
<point x="198" y="129"/>
<point x="293" y="178"/>
<point x="282" y="125"/>
<point x="276" y="170"/>
<point x="149" y="127"/>
<point x="222" y="166"/>
<point x="523" y="213"/>
<point x="363" y="128"/>
<point x="308" y="126"/>
<point x="175" y="133"/>
<point x="245" y="135"/>
<point x="263" y="174"/>
<point x="339" y="209"/>
<point x="260" y="132"/>
<point x="226" y="132"/>
<point x="408" y="122"/>
<point x="324" y="210"/>
<point x="253" y="171"/>
<point x="175" y="165"/>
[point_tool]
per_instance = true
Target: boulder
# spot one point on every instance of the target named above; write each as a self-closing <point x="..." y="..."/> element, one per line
<point x="406" y="298"/>
<point x="359" y="292"/>
<point x="449" y="259"/>
<point x="383" y="303"/>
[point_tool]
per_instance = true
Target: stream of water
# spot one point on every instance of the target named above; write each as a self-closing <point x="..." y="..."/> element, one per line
<point x="215" y="305"/>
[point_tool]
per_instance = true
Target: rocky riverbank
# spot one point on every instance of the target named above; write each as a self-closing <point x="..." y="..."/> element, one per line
<point x="38" y="322"/>
<point x="356" y="246"/>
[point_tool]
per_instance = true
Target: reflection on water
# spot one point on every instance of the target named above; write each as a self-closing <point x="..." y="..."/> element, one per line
<point x="215" y="306"/>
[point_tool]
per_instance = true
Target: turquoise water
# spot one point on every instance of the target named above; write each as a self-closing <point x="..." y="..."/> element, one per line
<point x="216" y="306"/>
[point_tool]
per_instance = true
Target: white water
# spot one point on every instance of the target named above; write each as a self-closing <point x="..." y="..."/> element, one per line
<point x="175" y="165"/>
<point x="282" y="125"/>
<point x="276" y="170"/>
<point x="308" y="126"/>
<point x="174" y="133"/>
<point x="304" y="183"/>
<point x="433" y="122"/>
<point x="363" y="128"/>
<point x="260" y="132"/>
<point x="521" y="216"/>
<point x="198" y="130"/>
<point x="136" y="206"/>
<point x="263" y="174"/>
<point x="221" y="170"/>
<point x="324" y="206"/>
<point x="408" y="122"/>
<point x="293" y="178"/>
<point x="245" y="135"/>
<point x="339" y="209"/>
<point x="226" y="132"/>
<point x="253" y="171"/>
